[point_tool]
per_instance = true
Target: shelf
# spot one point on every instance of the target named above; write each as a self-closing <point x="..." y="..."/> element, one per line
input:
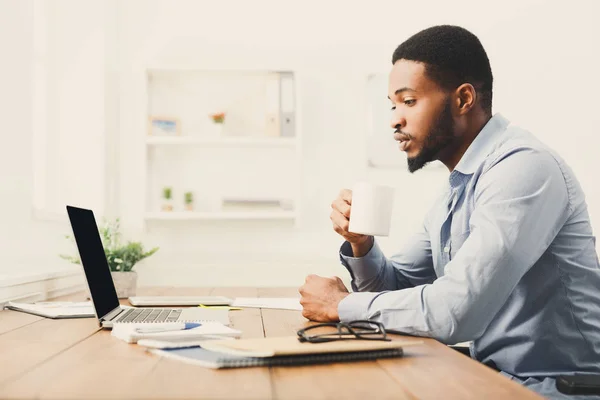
<point x="223" y="141"/>
<point x="219" y="215"/>
<point x="251" y="154"/>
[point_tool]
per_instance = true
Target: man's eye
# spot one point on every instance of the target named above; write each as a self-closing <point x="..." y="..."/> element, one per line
<point x="410" y="102"/>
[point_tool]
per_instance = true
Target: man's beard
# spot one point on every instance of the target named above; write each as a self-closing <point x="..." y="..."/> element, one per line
<point x="438" y="138"/>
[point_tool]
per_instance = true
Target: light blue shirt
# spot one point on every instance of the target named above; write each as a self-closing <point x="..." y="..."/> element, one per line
<point x="505" y="258"/>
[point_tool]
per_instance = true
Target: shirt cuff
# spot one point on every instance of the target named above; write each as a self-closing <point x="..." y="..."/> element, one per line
<point x="355" y="306"/>
<point x="363" y="268"/>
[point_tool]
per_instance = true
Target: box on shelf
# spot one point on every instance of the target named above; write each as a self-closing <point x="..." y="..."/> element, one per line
<point x="164" y="126"/>
<point x="245" y="204"/>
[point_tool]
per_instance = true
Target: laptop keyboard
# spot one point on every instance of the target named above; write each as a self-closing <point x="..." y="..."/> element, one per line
<point x="151" y="315"/>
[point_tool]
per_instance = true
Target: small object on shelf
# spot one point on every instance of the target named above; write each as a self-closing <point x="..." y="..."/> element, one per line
<point x="159" y="126"/>
<point x="189" y="201"/>
<point x="288" y="117"/>
<point x="236" y="204"/>
<point x="218" y="118"/>
<point x="216" y="127"/>
<point x="272" y="100"/>
<point x="272" y="125"/>
<point x="167" y="199"/>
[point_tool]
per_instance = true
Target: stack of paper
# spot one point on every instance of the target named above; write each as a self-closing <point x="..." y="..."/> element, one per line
<point x="130" y="333"/>
<point x="279" y="303"/>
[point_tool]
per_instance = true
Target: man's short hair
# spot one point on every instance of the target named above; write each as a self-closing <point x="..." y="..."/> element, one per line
<point x="452" y="56"/>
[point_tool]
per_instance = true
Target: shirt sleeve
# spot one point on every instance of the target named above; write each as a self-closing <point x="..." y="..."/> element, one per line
<point x="521" y="203"/>
<point x="409" y="267"/>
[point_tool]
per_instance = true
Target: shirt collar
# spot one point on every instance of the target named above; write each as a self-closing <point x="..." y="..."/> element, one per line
<point x="482" y="146"/>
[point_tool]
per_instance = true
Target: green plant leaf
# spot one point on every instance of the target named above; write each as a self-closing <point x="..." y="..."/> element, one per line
<point x="120" y="257"/>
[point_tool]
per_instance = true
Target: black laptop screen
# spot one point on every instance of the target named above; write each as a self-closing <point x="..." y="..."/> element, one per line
<point x="95" y="266"/>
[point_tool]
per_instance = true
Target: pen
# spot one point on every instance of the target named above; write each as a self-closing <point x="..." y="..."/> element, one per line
<point x="167" y="328"/>
<point x="180" y="344"/>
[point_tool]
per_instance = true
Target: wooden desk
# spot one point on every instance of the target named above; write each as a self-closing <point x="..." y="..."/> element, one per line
<point x="73" y="359"/>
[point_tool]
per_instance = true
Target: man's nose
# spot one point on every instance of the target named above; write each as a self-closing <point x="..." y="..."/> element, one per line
<point x="398" y="122"/>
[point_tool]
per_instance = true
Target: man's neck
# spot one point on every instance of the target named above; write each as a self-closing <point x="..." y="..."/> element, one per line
<point x="475" y="125"/>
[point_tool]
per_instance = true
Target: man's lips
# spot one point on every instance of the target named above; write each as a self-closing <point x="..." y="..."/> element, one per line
<point x="401" y="137"/>
<point x="404" y="140"/>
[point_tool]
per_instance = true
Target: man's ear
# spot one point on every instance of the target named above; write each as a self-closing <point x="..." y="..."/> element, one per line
<point x="466" y="97"/>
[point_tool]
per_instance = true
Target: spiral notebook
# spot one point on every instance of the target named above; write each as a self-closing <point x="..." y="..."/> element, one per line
<point x="291" y="346"/>
<point x="217" y="360"/>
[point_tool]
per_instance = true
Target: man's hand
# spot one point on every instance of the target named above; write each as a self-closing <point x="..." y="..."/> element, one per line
<point x="341" y="208"/>
<point x="320" y="298"/>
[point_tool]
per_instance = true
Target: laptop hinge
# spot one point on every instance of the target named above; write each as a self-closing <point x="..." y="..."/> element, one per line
<point x="112" y="314"/>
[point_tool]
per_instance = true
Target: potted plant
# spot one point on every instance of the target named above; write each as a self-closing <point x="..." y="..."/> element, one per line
<point x="189" y="201"/>
<point x="167" y="199"/>
<point x="121" y="258"/>
<point x="218" y="119"/>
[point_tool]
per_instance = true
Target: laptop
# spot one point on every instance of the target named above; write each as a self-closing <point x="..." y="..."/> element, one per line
<point x="102" y="288"/>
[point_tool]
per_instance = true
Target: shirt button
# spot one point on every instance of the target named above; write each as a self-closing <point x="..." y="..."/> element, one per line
<point x="447" y="249"/>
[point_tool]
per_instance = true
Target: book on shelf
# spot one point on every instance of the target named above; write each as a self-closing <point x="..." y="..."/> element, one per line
<point x="272" y="99"/>
<point x="287" y="105"/>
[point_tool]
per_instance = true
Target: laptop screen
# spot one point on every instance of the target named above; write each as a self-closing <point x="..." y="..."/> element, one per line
<point x="95" y="266"/>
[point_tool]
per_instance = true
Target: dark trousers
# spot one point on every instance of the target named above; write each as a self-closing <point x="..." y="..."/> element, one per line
<point x="465" y="351"/>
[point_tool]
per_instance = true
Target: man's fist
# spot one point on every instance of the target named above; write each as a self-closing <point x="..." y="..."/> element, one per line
<point x="320" y="298"/>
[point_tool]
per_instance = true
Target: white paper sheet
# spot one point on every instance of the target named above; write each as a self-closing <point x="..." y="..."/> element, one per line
<point x="58" y="309"/>
<point x="210" y="329"/>
<point x="278" y="303"/>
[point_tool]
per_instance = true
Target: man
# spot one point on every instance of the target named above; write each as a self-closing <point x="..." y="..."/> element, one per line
<point x="506" y="256"/>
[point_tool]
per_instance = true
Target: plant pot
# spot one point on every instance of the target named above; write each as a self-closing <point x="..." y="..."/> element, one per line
<point x="125" y="283"/>
<point x="167" y="205"/>
<point x="189" y="207"/>
<point x="216" y="130"/>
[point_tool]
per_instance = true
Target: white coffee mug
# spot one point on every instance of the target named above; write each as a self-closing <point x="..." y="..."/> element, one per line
<point x="371" y="209"/>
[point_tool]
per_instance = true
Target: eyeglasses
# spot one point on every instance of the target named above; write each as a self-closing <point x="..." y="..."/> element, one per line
<point x="354" y="330"/>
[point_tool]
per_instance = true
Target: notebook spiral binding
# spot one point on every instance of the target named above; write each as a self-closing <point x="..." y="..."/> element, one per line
<point x="212" y="359"/>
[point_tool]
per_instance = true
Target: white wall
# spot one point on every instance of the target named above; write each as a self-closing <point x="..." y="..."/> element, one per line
<point x="54" y="127"/>
<point x="25" y="244"/>
<point x="543" y="54"/>
<point x="76" y="110"/>
<point x="544" y="57"/>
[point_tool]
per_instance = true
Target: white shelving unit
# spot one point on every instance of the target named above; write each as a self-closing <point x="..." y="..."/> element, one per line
<point x="245" y="162"/>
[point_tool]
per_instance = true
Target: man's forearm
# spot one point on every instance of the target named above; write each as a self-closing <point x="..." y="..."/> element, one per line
<point x="370" y="270"/>
<point x="361" y="249"/>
